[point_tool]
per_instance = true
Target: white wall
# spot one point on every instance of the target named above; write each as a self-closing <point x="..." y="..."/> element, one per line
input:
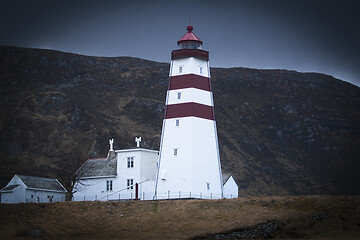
<point x="18" y="193"/>
<point x="231" y="189"/>
<point x="206" y="169"/>
<point x="196" y="163"/>
<point x="7" y="197"/>
<point x="145" y="163"/>
<point x="146" y="191"/>
<point x="189" y="65"/>
<point x="124" y="173"/>
<point x="148" y="165"/>
<point x="190" y="95"/>
<point x="37" y="196"/>
<point x="94" y="189"/>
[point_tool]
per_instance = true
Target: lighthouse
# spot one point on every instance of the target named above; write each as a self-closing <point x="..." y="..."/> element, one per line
<point x="189" y="160"/>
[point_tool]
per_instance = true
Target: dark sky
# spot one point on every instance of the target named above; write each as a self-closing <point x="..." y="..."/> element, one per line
<point x="301" y="35"/>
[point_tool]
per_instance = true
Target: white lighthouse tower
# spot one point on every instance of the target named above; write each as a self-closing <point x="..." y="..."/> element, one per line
<point x="189" y="161"/>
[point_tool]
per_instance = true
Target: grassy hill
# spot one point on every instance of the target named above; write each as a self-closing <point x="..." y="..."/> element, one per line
<point x="310" y="217"/>
<point x="280" y="132"/>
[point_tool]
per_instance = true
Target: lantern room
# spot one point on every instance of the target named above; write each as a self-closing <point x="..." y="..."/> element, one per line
<point x="189" y="40"/>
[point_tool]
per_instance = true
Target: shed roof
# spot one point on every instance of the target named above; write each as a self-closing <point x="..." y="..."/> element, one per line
<point x="98" y="167"/>
<point x="42" y="183"/>
<point x="10" y="187"/>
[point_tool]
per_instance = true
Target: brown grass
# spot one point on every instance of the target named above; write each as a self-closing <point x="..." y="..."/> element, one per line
<point x="183" y="219"/>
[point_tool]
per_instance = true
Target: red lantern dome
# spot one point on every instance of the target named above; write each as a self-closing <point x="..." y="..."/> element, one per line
<point x="189" y="40"/>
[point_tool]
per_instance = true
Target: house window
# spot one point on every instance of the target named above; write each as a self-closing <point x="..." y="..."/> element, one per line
<point x="109" y="185"/>
<point x="180" y="69"/>
<point x="175" y="151"/>
<point x="130" y="162"/>
<point x="208" y="186"/>
<point x="177" y="122"/>
<point x="130" y="183"/>
<point x="179" y="95"/>
<point x="200" y="70"/>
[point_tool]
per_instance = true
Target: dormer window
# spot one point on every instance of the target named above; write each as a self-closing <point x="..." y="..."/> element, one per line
<point x="201" y="71"/>
<point x="180" y="69"/>
<point x="179" y="95"/>
<point x="177" y="122"/>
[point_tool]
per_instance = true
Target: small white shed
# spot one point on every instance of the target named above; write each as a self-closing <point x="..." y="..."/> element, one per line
<point x="230" y="188"/>
<point x="24" y="189"/>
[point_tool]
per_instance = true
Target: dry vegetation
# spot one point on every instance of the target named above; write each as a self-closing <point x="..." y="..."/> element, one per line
<point x="184" y="219"/>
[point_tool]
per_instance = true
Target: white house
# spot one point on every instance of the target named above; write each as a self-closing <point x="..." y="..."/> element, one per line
<point x="124" y="174"/>
<point x="27" y="189"/>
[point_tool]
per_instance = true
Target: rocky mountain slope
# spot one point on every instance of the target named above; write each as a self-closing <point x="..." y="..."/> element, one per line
<point x="280" y="132"/>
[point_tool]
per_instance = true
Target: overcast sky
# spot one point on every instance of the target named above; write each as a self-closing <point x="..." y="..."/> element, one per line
<point x="301" y="35"/>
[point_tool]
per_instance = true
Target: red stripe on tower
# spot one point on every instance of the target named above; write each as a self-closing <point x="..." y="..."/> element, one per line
<point x="189" y="110"/>
<point x="184" y="53"/>
<point x="189" y="81"/>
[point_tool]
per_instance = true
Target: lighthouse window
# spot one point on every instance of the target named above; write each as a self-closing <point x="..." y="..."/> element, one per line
<point x="208" y="186"/>
<point x="130" y="162"/>
<point x="177" y="122"/>
<point x="175" y="151"/>
<point x="179" y="95"/>
<point x="180" y="69"/>
<point x="130" y="183"/>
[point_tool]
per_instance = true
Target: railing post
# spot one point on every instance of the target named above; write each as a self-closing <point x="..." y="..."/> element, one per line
<point x="84" y="198"/>
<point x="95" y="197"/>
<point x="131" y="196"/>
<point x="211" y="195"/>
<point x="190" y="194"/>
<point x="168" y="194"/>
<point x="179" y="194"/>
<point x="143" y="195"/>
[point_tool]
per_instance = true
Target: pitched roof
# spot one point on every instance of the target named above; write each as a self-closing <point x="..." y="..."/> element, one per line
<point x="97" y="167"/>
<point x="190" y="36"/>
<point x="225" y="177"/>
<point x="42" y="183"/>
<point x="10" y="187"/>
